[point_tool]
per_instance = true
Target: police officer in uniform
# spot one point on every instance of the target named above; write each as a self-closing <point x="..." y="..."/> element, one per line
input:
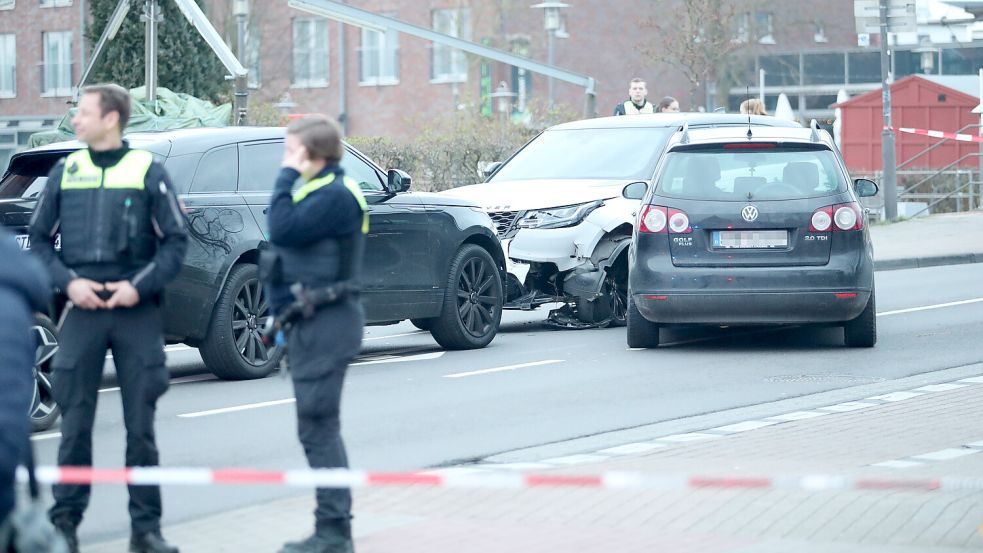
<point x="317" y="230"/>
<point x="123" y="238"/>
<point x="636" y="102"/>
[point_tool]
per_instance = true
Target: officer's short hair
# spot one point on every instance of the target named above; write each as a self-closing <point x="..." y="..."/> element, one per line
<point x="321" y="135"/>
<point x="112" y="97"/>
<point x="636" y="80"/>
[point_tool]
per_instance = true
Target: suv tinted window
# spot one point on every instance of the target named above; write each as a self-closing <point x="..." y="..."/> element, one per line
<point x="181" y="170"/>
<point x="628" y="153"/>
<point x="259" y="166"/>
<point x="367" y="177"/>
<point x="217" y="171"/>
<point x="751" y="174"/>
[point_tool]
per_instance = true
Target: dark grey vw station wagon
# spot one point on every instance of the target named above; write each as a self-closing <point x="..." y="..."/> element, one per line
<point x="745" y="226"/>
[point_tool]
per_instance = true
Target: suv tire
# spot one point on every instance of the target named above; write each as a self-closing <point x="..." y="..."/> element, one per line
<point x="423" y="324"/>
<point x="862" y="331"/>
<point x="232" y="349"/>
<point x="44" y="410"/>
<point x="642" y="333"/>
<point x="472" y="307"/>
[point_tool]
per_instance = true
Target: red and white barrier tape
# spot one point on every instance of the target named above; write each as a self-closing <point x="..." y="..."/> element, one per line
<point x="338" y="478"/>
<point x="940" y="134"/>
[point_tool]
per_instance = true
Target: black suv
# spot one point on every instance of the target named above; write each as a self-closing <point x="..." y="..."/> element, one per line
<point x="429" y="258"/>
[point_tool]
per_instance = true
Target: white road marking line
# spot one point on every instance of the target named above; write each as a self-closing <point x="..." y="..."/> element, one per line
<point x="631" y="449"/>
<point x="898" y="464"/>
<point x="744" y="426"/>
<point x="575" y="459"/>
<point x="395" y="335"/>
<point x="181" y="380"/>
<point x="972" y="380"/>
<point x="975" y="444"/>
<point x="946" y="454"/>
<point x="847" y="406"/>
<point x="237" y="408"/>
<point x="506" y="368"/>
<point x="167" y="349"/>
<point x="797" y="416"/>
<point x="928" y="307"/>
<point x="48" y="436"/>
<point x="690" y="437"/>
<point x="420" y="357"/>
<point x="940" y="387"/>
<point x="896" y="396"/>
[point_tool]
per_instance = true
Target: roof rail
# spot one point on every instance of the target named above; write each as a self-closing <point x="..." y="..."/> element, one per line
<point x="684" y="139"/>
<point x="815" y="131"/>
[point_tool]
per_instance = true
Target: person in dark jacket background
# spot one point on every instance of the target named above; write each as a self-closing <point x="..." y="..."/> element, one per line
<point x="24" y="289"/>
<point x="123" y="238"/>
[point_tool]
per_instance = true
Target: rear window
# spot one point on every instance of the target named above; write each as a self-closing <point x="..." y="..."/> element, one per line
<point x="778" y="173"/>
<point x="27" y="175"/>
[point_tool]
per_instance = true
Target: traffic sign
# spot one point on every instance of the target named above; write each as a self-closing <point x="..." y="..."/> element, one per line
<point x="900" y="16"/>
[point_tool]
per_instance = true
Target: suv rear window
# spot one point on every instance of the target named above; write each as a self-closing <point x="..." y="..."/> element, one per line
<point x="742" y="174"/>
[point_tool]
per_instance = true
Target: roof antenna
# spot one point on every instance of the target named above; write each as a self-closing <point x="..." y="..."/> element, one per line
<point x="747" y="99"/>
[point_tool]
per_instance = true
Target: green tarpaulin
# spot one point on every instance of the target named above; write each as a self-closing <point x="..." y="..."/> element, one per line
<point x="173" y="111"/>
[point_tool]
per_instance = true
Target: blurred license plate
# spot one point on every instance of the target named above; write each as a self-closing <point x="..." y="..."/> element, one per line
<point x="24" y="241"/>
<point x="750" y="239"/>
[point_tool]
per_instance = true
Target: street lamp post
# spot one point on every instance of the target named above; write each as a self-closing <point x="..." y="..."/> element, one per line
<point x="503" y="98"/>
<point x="240" y="9"/>
<point x="552" y="22"/>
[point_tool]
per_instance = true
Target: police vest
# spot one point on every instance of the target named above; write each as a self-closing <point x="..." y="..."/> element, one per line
<point x="106" y="213"/>
<point x="630" y="108"/>
<point x="329" y="260"/>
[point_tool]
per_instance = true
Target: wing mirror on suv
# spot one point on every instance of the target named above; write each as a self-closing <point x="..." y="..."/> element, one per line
<point x="490" y="168"/>
<point x="635" y="190"/>
<point x="398" y="181"/>
<point x="865" y="187"/>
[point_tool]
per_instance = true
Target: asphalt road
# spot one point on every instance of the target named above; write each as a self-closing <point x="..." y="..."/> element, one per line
<point x="410" y="405"/>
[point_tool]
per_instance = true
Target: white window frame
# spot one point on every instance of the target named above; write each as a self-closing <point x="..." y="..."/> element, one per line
<point x="10" y="92"/>
<point x="458" y="25"/>
<point x="55" y="3"/>
<point x="63" y="86"/>
<point x="766" y="32"/>
<point x="314" y="23"/>
<point x="380" y="48"/>
<point x="8" y="4"/>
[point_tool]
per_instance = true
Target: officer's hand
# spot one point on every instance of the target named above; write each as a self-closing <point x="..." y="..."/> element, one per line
<point x="82" y="292"/>
<point x="124" y="294"/>
<point x="298" y="159"/>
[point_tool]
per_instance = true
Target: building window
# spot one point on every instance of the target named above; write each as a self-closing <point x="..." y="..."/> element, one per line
<point x="252" y="56"/>
<point x="764" y="27"/>
<point x="56" y="74"/>
<point x="449" y="64"/>
<point x="820" y="35"/>
<point x="6" y="4"/>
<point x="54" y="3"/>
<point x="310" y="68"/>
<point x="8" y="66"/>
<point x="379" y="57"/>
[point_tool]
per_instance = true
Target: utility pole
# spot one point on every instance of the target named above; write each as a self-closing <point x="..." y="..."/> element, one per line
<point x="151" y="16"/>
<point x="889" y="181"/>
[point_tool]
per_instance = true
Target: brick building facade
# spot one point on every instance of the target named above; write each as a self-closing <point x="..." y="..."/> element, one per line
<point x="387" y="83"/>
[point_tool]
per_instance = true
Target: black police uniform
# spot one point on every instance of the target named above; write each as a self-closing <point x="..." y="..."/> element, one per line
<point x="119" y="220"/>
<point x="317" y="238"/>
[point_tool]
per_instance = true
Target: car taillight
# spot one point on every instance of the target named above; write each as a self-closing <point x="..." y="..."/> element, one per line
<point x="847" y="217"/>
<point x="653" y="219"/>
<point x="822" y="219"/>
<point x="837" y="217"/>
<point x="678" y="222"/>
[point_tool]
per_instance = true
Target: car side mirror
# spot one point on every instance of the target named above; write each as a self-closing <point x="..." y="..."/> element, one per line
<point x="635" y="190"/>
<point x="398" y="181"/>
<point x="865" y="187"/>
<point x="490" y="169"/>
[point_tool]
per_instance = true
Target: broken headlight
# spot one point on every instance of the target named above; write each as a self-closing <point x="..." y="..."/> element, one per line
<point x="559" y="217"/>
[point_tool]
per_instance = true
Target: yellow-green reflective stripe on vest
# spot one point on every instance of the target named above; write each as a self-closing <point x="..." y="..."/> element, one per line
<point x="350" y="184"/>
<point x="130" y="172"/>
<point x="630" y="108"/>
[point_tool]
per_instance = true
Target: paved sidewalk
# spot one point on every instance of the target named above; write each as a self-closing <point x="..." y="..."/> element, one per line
<point x="946" y="239"/>
<point x="933" y="427"/>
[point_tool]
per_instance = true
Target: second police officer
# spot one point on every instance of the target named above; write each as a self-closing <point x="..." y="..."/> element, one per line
<point x="317" y="230"/>
<point x="123" y="238"/>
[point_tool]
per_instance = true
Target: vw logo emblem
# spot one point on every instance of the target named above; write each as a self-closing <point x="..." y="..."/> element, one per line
<point x="749" y="213"/>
